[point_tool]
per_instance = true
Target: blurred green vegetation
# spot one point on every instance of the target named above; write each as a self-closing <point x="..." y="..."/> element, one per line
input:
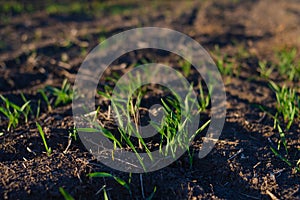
<point x="9" y="9"/>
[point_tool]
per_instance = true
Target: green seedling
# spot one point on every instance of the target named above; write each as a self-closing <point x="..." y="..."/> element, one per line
<point x="126" y="130"/>
<point x="288" y="66"/>
<point x="203" y="99"/>
<point x="107" y="175"/>
<point x="173" y="131"/>
<point x="73" y="133"/>
<point x="101" y="38"/>
<point x="186" y="67"/>
<point x="282" y="139"/>
<point x="129" y="110"/>
<point x="126" y="114"/>
<point x="48" y="150"/>
<point x="284" y="159"/>
<point x="12" y="7"/>
<point x="45" y="97"/>
<point x="287" y="108"/>
<point x="286" y="104"/>
<point x="242" y="51"/>
<point x="27" y="109"/>
<point x="64" y="95"/>
<point x="102" y="130"/>
<point x="276" y="150"/>
<point x="73" y="8"/>
<point x="225" y="65"/>
<point x="89" y="9"/>
<point x="13" y="112"/>
<point x="38" y="109"/>
<point x="264" y="70"/>
<point x="65" y="194"/>
<point x="276" y="153"/>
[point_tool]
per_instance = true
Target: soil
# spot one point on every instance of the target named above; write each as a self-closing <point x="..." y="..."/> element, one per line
<point x="39" y="49"/>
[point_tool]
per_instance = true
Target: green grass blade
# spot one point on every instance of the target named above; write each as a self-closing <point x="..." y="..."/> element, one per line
<point x="44" y="96"/>
<point x="25" y="100"/>
<point x="38" y="109"/>
<point x="48" y="150"/>
<point x="99" y="174"/>
<point x="129" y="143"/>
<point x="117" y="179"/>
<point x="65" y="194"/>
<point x="152" y="194"/>
<point x="88" y="130"/>
<point x="105" y="194"/>
<point x="24" y="106"/>
<point x="122" y="182"/>
<point x="104" y="131"/>
<point x="280" y="156"/>
<point x="109" y="135"/>
<point x="5" y="112"/>
<point x="203" y="127"/>
<point x="104" y="94"/>
<point x="16" y="107"/>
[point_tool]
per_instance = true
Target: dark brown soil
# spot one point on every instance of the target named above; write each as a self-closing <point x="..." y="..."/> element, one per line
<point x="32" y="52"/>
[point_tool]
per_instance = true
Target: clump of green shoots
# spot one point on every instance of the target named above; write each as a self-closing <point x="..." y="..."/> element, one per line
<point x="40" y="129"/>
<point x="224" y="63"/>
<point x="172" y="130"/>
<point x="287" y="108"/>
<point x="288" y="66"/>
<point x="129" y="111"/>
<point x="63" y="95"/>
<point x="265" y="70"/>
<point x="186" y="67"/>
<point x="287" y="104"/>
<point x="13" y="112"/>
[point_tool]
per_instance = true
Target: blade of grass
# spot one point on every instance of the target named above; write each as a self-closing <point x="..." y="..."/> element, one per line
<point x="48" y="150"/>
<point x="42" y="92"/>
<point x="65" y="194"/>
<point x="152" y="194"/>
<point x="117" y="179"/>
